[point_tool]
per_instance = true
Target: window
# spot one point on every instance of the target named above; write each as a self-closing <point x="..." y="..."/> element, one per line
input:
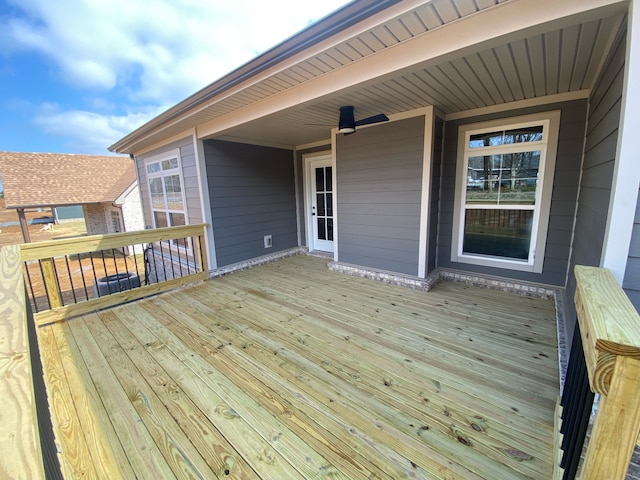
<point x="503" y="191"/>
<point x="166" y="192"/>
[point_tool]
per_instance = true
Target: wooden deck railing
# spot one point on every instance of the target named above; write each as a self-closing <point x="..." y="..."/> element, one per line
<point x="610" y="332"/>
<point x="71" y="277"/>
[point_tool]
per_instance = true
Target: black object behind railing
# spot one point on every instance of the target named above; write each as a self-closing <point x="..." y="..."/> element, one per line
<point x="577" y="404"/>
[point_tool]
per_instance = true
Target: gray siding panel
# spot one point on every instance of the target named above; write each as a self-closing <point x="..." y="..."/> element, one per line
<point x="599" y="161"/>
<point x="379" y="179"/>
<point x="252" y="194"/>
<point x="563" y="200"/>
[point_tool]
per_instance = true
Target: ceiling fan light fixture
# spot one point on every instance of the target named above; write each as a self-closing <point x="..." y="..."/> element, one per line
<point x="347" y="123"/>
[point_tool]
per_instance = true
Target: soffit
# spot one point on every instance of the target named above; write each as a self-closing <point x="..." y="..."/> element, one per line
<point x="532" y="65"/>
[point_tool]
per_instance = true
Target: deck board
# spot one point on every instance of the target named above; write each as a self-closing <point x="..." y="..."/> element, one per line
<point x="289" y="370"/>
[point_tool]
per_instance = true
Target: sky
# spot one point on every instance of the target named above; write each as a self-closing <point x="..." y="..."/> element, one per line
<point x="78" y="75"/>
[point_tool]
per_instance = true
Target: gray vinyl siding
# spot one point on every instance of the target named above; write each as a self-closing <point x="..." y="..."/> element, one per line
<point x="434" y="199"/>
<point x="252" y="194"/>
<point x="597" y="176"/>
<point x="379" y="181"/>
<point x="631" y="282"/>
<point x="189" y="177"/>
<point x="563" y="199"/>
<point x="302" y="222"/>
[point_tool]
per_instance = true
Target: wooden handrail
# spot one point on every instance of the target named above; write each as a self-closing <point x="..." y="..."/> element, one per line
<point x="610" y="331"/>
<point x="47" y="251"/>
<point x="19" y="440"/>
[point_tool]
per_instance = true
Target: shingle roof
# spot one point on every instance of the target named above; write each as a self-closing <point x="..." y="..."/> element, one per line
<point x="52" y="179"/>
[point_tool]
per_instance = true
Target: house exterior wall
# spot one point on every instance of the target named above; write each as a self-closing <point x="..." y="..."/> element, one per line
<point x="252" y="194"/>
<point x="563" y="199"/>
<point x="132" y="211"/>
<point x="189" y="176"/>
<point x="95" y="219"/>
<point x="379" y="182"/>
<point x="434" y="208"/>
<point x="631" y="282"/>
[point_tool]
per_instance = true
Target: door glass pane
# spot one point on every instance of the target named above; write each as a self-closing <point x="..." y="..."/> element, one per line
<point x="319" y="179"/>
<point x="330" y="229"/>
<point x="499" y="233"/>
<point x="320" y="204"/>
<point x="322" y="234"/>
<point x="329" y="205"/>
<point x="329" y="179"/>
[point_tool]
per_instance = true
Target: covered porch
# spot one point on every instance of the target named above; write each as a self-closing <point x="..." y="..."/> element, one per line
<point x="289" y="370"/>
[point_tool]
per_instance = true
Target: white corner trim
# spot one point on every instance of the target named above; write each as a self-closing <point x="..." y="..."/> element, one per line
<point x="205" y="201"/>
<point x="334" y="170"/>
<point x="626" y="174"/>
<point x="427" y="159"/>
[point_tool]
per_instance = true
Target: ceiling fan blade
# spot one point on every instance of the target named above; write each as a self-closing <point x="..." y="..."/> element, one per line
<point x="381" y="117"/>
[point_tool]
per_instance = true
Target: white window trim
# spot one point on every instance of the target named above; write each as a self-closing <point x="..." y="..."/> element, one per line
<point x="551" y="125"/>
<point x="175" y="153"/>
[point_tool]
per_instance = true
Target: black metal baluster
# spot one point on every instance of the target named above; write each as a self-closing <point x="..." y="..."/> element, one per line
<point x="577" y="403"/>
<point x="33" y="295"/>
<point x="84" y="282"/>
<point x="73" y="290"/>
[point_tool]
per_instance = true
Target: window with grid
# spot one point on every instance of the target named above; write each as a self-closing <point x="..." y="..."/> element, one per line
<point x="503" y="196"/>
<point x="166" y="192"/>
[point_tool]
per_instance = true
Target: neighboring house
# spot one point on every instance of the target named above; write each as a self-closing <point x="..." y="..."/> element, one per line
<point x="104" y="186"/>
<point x="509" y="150"/>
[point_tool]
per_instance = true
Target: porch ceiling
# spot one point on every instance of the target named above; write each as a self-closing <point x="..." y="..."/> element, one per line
<point x="457" y="55"/>
<point x="560" y="61"/>
<point x="289" y="370"/>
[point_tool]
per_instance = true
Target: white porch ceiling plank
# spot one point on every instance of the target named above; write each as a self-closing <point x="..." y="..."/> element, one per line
<point x="330" y="61"/>
<point x="425" y="51"/>
<point x="399" y="30"/>
<point x="414" y="24"/>
<point x="568" y="52"/>
<point x="459" y="85"/>
<point x="361" y="47"/>
<point x="552" y="60"/>
<point x="348" y="51"/>
<point x="453" y="101"/>
<point x="606" y="32"/>
<point x="429" y="16"/>
<point x="482" y="4"/>
<point x="494" y="69"/>
<point x="338" y="56"/>
<point x="320" y="65"/>
<point x="397" y="99"/>
<point x="588" y="41"/>
<point x="413" y="96"/>
<point x="520" y="55"/>
<point x="447" y="10"/>
<point x="385" y="36"/>
<point x="507" y="65"/>
<point x="311" y="69"/>
<point x="471" y="78"/>
<point x="467" y="7"/>
<point x="538" y="64"/>
<point x="283" y="80"/>
<point x="420" y="89"/>
<point x="478" y="68"/>
<point x="372" y="42"/>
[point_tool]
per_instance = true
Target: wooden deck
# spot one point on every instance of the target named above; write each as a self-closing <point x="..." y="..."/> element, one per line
<point x="292" y="371"/>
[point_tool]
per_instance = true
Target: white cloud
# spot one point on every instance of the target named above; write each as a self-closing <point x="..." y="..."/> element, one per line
<point x="167" y="48"/>
<point x="128" y="60"/>
<point x="89" y="132"/>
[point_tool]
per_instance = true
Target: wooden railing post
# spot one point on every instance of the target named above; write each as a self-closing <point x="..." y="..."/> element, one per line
<point x="610" y="331"/>
<point x="51" y="282"/>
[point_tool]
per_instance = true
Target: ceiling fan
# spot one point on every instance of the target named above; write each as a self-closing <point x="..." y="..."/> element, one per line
<point x="347" y="123"/>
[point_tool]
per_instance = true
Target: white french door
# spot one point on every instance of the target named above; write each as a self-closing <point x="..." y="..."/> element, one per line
<point x="320" y="201"/>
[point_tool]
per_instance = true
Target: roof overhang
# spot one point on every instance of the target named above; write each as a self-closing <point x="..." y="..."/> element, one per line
<point x="458" y="55"/>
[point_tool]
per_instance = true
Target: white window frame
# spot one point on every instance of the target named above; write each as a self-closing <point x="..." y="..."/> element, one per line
<point x="548" y="146"/>
<point x="168" y="155"/>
